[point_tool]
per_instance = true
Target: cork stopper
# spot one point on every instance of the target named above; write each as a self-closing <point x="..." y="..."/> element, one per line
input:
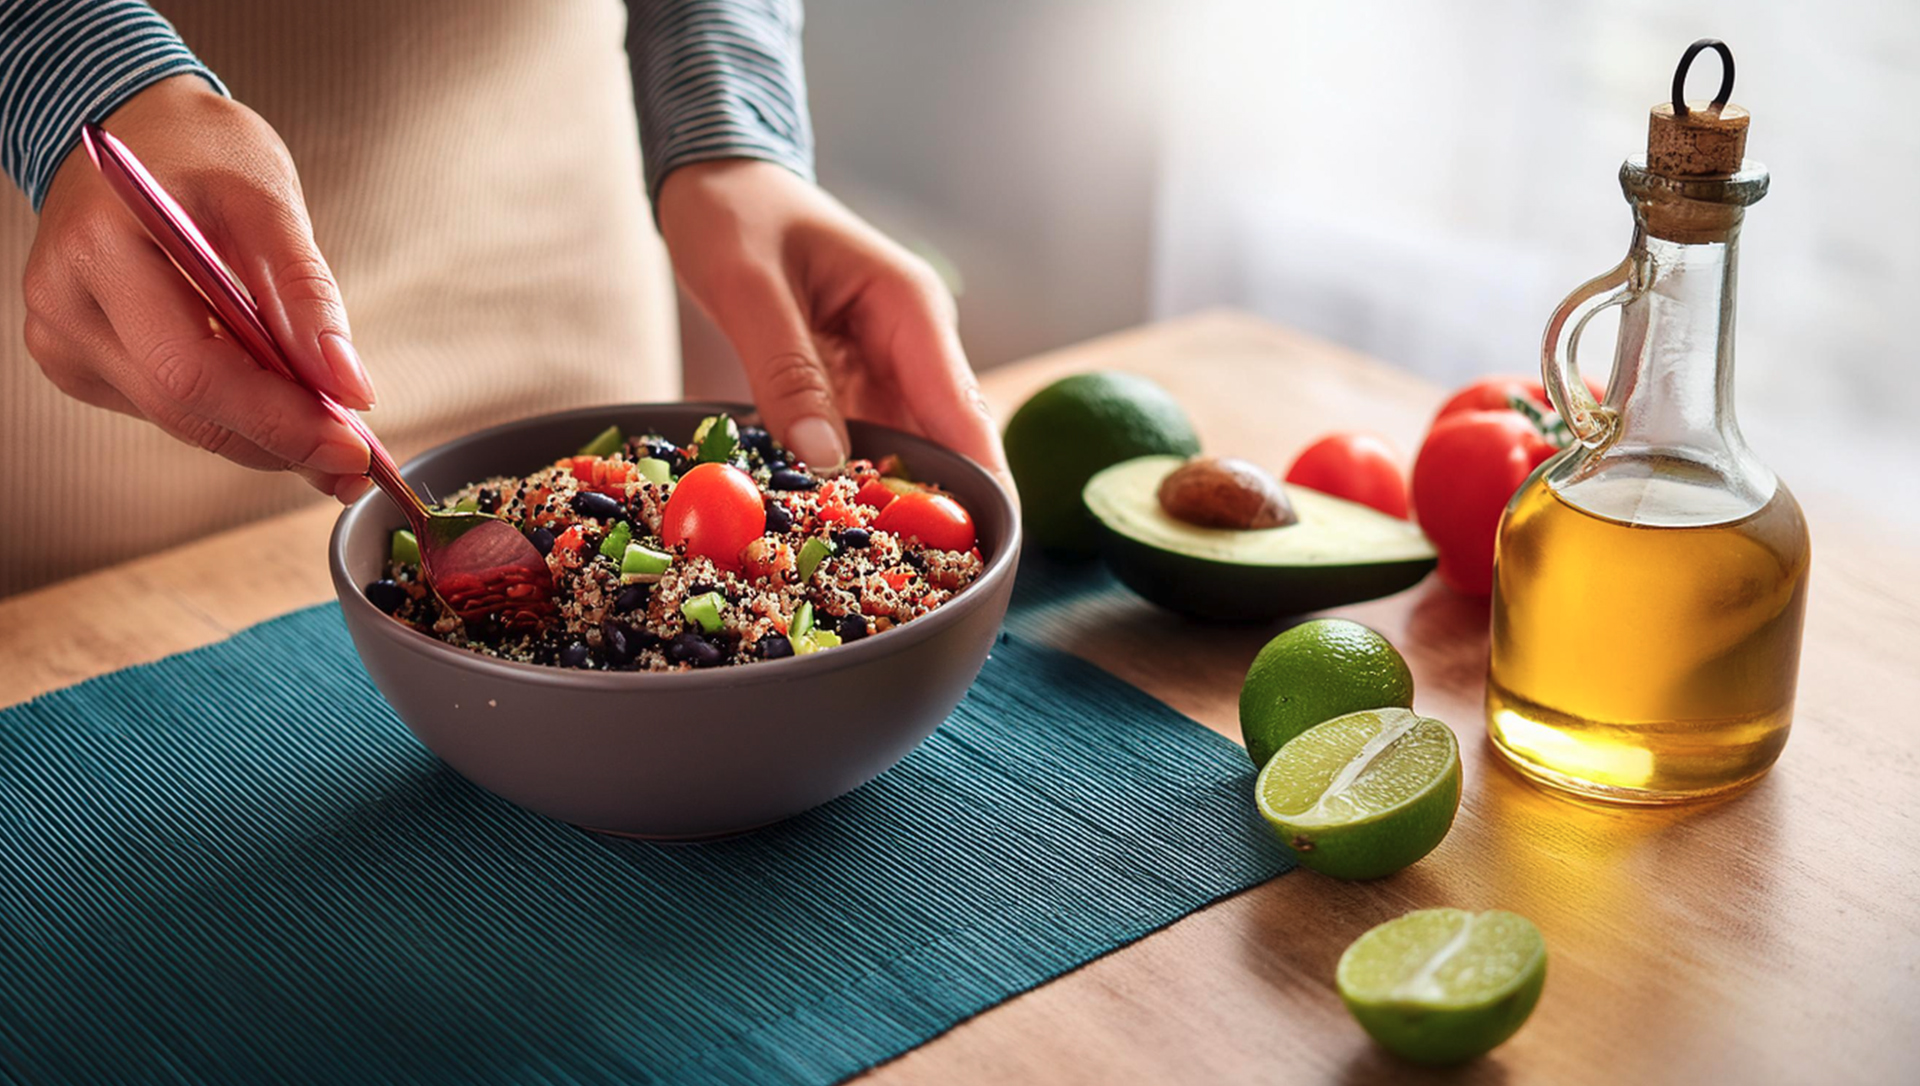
<point x="1698" y="139"/>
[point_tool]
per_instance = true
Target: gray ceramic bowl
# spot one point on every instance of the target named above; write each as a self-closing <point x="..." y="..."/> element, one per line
<point x="686" y="754"/>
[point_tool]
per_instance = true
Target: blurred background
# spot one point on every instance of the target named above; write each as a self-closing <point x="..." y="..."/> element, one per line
<point x="1423" y="182"/>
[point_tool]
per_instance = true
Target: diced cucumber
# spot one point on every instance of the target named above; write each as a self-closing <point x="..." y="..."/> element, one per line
<point x="641" y="563"/>
<point x="802" y="624"/>
<point x="605" y="443"/>
<point x="813" y="552"/>
<point x="824" y="639"/>
<point x="654" y="470"/>
<point x="615" y="545"/>
<point x="405" y="549"/>
<point x="704" y="611"/>
<point x="717" y="437"/>
<point x="467" y="505"/>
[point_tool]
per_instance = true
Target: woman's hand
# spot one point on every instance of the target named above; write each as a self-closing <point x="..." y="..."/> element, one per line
<point x="113" y="323"/>
<point x="830" y="317"/>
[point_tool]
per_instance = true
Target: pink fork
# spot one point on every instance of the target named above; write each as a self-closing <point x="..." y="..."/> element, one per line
<point x="482" y="567"/>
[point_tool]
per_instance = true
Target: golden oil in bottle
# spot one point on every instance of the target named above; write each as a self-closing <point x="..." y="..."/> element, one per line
<point x="1649" y="656"/>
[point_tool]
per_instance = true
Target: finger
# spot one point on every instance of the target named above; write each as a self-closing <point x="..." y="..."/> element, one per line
<point x="201" y="386"/>
<point x="789" y="381"/>
<point x="269" y="240"/>
<point x="908" y="326"/>
<point x="72" y="362"/>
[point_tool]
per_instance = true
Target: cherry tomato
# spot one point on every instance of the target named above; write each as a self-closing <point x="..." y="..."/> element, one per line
<point x="934" y="519"/>
<point x="1492" y="394"/>
<point x="1358" y="467"/>
<point x="715" y="510"/>
<point x="876" y="493"/>
<point x="1468" y="468"/>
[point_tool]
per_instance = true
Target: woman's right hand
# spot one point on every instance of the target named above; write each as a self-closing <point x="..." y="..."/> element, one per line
<point x="113" y="323"/>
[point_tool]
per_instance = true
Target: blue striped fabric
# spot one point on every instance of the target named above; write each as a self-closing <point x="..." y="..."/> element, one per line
<point x="719" y="79"/>
<point x="715" y="79"/>
<point x="234" y="866"/>
<point x="63" y="62"/>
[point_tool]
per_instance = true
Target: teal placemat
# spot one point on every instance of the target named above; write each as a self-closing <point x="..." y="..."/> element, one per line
<point x="235" y="866"/>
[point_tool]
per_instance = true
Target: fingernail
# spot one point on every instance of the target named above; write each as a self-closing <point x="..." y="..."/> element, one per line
<point x="349" y="376"/>
<point x="339" y="458"/>
<point x="818" y="443"/>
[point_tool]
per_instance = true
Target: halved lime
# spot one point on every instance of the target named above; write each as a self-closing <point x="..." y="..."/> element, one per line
<point x="1444" y="985"/>
<point x="1363" y="795"/>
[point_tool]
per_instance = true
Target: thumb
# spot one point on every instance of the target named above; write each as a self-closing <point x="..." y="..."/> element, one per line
<point x="270" y="241"/>
<point x="789" y="381"/>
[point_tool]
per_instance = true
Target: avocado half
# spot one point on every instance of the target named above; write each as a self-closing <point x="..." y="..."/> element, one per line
<point x="1338" y="552"/>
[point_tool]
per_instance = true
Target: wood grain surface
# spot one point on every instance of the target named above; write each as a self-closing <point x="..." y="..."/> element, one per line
<point x="1773" y="937"/>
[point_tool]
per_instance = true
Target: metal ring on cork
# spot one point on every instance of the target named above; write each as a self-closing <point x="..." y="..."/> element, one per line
<point x="1686" y="63"/>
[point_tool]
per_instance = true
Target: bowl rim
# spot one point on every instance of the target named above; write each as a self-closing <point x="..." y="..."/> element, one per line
<point x="999" y="568"/>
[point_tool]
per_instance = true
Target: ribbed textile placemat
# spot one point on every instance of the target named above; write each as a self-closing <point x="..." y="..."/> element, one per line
<point x="235" y="866"/>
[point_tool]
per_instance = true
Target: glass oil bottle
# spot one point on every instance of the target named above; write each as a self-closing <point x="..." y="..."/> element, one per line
<point x="1650" y="581"/>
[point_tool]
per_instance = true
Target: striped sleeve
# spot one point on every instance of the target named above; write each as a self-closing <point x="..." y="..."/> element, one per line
<point x="64" y="62"/>
<point x="719" y="79"/>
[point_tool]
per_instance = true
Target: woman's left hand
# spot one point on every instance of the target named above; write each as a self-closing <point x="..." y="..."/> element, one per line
<point x="831" y="318"/>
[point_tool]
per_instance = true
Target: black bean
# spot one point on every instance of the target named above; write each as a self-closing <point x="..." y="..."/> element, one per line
<point x="757" y="439"/>
<point x="851" y="627"/>
<point x="590" y="503"/>
<point x="916" y="560"/>
<point x="616" y="646"/>
<point x="677" y="461"/>
<point x="542" y="540"/>
<point x="386" y="595"/>
<point x="776" y="465"/>
<point x="778" y="519"/>
<point x="789" y="479"/>
<point x="775" y="647"/>
<point x="632" y="598"/>
<point x="855" y="538"/>
<point x="574" y="655"/>
<point x="488" y="500"/>
<point x="691" y="648"/>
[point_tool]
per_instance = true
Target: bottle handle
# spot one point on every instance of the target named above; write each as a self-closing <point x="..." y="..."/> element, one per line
<point x="1593" y="424"/>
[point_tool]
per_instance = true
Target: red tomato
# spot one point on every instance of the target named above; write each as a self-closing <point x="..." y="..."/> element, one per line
<point x="876" y="493"/>
<point x="1468" y="468"/>
<point x="1492" y="393"/>
<point x="1358" y="467"/>
<point x="716" y="510"/>
<point x="934" y="519"/>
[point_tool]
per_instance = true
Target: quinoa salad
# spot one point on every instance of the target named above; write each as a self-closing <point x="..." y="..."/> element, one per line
<point x="722" y="551"/>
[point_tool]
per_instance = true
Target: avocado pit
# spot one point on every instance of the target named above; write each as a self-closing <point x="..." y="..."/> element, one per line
<point x="1224" y="492"/>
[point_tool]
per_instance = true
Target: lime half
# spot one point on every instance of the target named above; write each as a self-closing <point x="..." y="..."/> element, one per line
<point x="1363" y="795"/>
<point x="1444" y="985"/>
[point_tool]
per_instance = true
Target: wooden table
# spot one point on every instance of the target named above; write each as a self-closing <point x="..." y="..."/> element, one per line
<point x="1771" y="938"/>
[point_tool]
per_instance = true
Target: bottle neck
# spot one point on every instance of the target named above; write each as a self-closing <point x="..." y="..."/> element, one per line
<point x="1676" y="456"/>
<point x="1673" y="368"/>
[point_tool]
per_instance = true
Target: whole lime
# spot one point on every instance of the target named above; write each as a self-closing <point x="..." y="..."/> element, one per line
<point x="1316" y="671"/>
<point x="1074" y="427"/>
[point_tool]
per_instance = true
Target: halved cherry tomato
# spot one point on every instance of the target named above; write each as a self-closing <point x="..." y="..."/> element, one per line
<point x="1493" y="393"/>
<point x="934" y="519"/>
<point x="1358" y="467"/>
<point x="1467" y="470"/>
<point x="715" y="509"/>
